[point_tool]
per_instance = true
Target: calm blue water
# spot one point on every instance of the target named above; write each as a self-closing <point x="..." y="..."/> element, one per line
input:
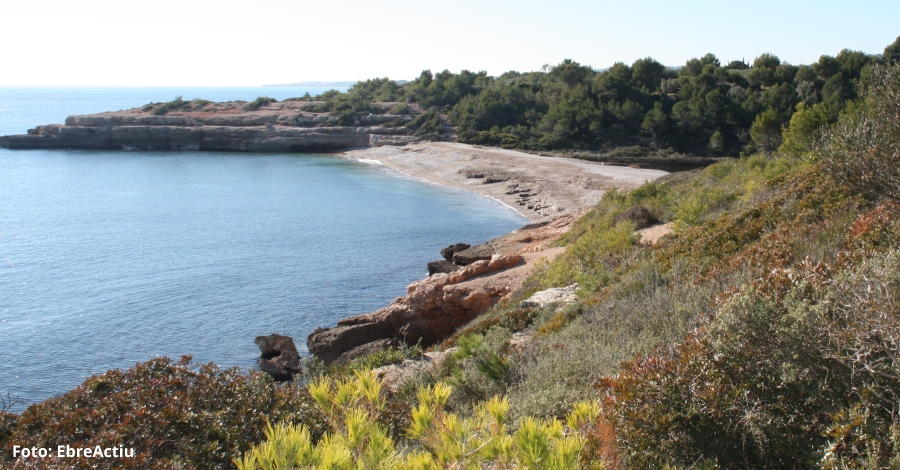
<point x="110" y="258"/>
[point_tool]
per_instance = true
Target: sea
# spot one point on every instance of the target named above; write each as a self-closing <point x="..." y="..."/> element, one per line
<point x="109" y="258"/>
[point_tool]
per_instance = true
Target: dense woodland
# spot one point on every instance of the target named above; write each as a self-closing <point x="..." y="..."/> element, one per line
<point x="704" y="108"/>
<point x="763" y="333"/>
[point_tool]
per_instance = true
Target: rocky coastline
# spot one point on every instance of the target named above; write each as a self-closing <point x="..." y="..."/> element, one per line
<point x="275" y="127"/>
<point x="435" y="307"/>
<point x="552" y="192"/>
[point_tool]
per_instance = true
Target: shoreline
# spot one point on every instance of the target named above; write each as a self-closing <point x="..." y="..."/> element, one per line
<point x="551" y="192"/>
<point x="401" y="173"/>
<point x="539" y="188"/>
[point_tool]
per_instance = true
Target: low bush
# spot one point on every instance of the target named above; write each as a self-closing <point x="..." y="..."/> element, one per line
<point x="426" y="124"/>
<point x="174" y="414"/>
<point x="163" y="108"/>
<point x="178" y="104"/>
<point x="863" y="148"/>
<point x="442" y="439"/>
<point x="380" y="358"/>
<point x="400" y="109"/>
<point x="259" y="102"/>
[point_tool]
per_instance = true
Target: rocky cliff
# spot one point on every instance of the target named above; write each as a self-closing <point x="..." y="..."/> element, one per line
<point x="277" y="127"/>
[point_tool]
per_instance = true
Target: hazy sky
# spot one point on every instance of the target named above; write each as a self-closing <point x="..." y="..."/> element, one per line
<point x="224" y="42"/>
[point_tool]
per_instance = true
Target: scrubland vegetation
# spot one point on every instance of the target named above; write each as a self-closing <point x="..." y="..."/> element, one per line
<point x="763" y="333"/>
<point x="178" y="104"/>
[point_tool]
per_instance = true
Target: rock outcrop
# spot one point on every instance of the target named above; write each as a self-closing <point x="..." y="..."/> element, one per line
<point x="278" y="356"/>
<point x="432" y="309"/>
<point x="554" y="296"/>
<point x="473" y="254"/>
<point x="435" y="307"/>
<point x="279" y="127"/>
<point x="448" y="252"/>
<point x="442" y="266"/>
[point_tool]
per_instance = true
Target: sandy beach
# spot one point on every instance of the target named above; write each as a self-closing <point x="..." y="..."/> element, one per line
<point x="540" y="188"/>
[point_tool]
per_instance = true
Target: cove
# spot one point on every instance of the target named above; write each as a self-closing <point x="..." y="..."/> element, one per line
<point x="111" y="258"/>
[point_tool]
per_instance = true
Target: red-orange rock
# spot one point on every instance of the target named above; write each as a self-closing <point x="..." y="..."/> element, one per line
<point x="431" y="311"/>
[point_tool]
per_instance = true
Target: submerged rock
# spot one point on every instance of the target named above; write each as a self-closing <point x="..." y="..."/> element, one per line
<point x="278" y="356"/>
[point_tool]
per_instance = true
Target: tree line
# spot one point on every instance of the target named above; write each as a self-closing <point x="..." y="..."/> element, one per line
<point x="703" y="108"/>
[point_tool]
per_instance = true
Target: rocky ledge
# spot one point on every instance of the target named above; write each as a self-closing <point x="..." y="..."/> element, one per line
<point x="276" y="127"/>
<point x="435" y="307"/>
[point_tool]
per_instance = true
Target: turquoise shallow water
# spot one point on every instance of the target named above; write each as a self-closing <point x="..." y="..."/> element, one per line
<point x="110" y="258"/>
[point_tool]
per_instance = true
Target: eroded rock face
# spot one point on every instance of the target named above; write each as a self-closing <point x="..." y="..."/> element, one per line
<point x="263" y="138"/>
<point x="278" y="356"/>
<point x="431" y="311"/>
<point x="278" y="128"/>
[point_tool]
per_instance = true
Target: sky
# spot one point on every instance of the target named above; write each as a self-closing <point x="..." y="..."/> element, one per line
<point x="256" y="42"/>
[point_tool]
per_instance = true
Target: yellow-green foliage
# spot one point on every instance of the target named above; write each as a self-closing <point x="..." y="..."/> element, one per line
<point x="596" y="247"/>
<point x="445" y="440"/>
<point x="357" y="440"/>
<point x="589" y="261"/>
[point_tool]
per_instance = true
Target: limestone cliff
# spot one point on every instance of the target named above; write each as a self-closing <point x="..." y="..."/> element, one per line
<point x="277" y="127"/>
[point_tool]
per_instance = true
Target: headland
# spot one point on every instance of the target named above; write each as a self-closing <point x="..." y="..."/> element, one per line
<point x="259" y="126"/>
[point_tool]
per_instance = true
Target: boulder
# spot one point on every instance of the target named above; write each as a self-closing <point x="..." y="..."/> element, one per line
<point x="639" y="216"/>
<point x="553" y="296"/>
<point x="278" y="356"/>
<point x="448" y="252"/>
<point x="441" y="266"/>
<point x="430" y="312"/>
<point x="473" y="254"/>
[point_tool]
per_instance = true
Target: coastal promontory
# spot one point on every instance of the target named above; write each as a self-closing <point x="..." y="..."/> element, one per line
<point x="260" y="126"/>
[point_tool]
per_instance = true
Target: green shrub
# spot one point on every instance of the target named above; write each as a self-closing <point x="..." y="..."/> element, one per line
<point x="863" y="148"/>
<point x="163" y="108"/>
<point x="178" y="104"/>
<point x="306" y="97"/>
<point x="172" y="414"/>
<point x="591" y="259"/>
<point x="259" y="102"/>
<point x="425" y="124"/>
<point x="400" y="109"/>
<point x="385" y="357"/>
